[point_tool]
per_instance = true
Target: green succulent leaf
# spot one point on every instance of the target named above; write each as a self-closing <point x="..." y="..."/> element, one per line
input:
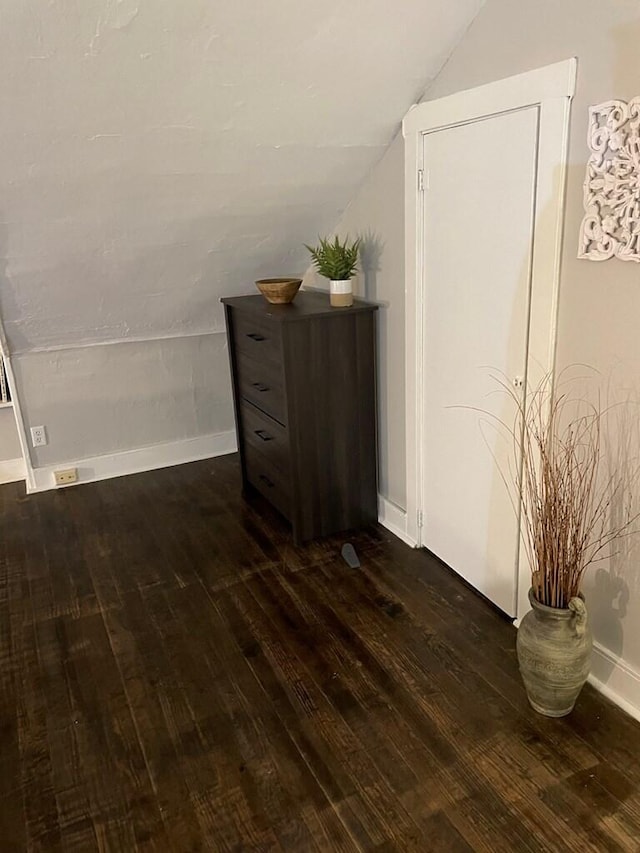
<point x="335" y="260"/>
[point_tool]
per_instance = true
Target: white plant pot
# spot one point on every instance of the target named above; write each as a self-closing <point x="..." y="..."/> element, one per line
<point x="341" y="293"/>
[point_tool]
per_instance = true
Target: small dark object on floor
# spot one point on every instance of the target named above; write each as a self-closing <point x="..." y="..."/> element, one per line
<point x="391" y="608"/>
<point x="349" y="556"/>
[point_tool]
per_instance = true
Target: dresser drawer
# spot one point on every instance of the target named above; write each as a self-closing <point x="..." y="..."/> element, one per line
<point x="267" y="436"/>
<point x="267" y="479"/>
<point x="260" y="382"/>
<point x="257" y="337"/>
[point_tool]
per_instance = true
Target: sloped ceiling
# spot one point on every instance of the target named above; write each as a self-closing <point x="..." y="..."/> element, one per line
<point x="156" y="154"/>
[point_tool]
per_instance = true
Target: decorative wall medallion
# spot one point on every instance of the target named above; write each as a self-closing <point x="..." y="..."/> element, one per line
<point x="611" y="225"/>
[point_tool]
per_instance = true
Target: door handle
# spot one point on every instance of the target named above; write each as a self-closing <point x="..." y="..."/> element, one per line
<point x="266" y="481"/>
<point x="263" y="434"/>
<point x="256" y="337"/>
<point x="260" y="386"/>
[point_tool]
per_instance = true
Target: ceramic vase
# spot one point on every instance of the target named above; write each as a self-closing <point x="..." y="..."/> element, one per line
<point x="554" y="653"/>
<point x="341" y="293"/>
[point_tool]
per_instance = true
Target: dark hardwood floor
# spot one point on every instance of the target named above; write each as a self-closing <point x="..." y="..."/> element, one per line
<point x="176" y="676"/>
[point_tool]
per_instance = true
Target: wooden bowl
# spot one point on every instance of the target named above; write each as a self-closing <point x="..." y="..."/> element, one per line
<point x="279" y="291"/>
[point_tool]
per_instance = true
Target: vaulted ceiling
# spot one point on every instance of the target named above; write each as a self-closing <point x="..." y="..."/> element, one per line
<point x="156" y="154"/>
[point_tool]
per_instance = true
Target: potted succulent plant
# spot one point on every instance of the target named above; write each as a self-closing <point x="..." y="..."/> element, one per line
<point x="566" y="500"/>
<point x="338" y="262"/>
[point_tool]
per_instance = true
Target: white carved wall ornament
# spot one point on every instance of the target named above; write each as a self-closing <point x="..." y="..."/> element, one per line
<point x="611" y="225"/>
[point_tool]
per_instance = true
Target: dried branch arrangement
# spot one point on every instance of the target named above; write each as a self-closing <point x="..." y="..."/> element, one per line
<point x="567" y="499"/>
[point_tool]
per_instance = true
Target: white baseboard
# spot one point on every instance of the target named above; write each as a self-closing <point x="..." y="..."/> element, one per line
<point x="12" y="470"/>
<point x="616" y="679"/>
<point x="394" y="518"/>
<point x="136" y="461"/>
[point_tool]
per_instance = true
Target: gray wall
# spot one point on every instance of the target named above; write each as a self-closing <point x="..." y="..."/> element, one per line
<point x="104" y="399"/>
<point x="600" y="302"/>
<point x="9" y="444"/>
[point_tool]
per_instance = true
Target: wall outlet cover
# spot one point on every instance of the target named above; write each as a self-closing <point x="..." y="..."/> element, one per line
<point x="38" y="436"/>
<point x="65" y="477"/>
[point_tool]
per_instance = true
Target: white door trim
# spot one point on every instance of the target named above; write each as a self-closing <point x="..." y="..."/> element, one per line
<point x="550" y="89"/>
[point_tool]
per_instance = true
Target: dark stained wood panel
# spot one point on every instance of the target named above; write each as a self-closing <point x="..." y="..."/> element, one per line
<point x="332" y="412"/>
<point x="256" y="337"/>
<point x="317" y="379"/>
<point x="177" y="675"/>
<point x="307" y="304"/>
<point x="260" y="383"/>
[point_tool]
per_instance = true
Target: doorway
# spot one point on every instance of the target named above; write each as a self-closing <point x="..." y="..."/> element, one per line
<point x="485" y="173"/>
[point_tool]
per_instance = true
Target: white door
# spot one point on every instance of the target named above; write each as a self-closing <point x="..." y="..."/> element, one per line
<point x="485" y="174"/>
<point x="478" y="215"/>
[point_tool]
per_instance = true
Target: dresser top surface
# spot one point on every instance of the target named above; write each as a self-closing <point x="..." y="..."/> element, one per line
<point x="307" y="304"/>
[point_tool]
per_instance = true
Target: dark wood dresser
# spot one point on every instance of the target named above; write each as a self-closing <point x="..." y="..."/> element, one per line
<point x="304" y="391"/>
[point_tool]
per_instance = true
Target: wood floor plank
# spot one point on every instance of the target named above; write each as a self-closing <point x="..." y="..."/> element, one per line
<point x="242" y="726"/>
<point x="42" y="828"/>
<point x="147" y="677"/>
<point x="299" y="751"/>
<point x="433" y="612"/>
<point x="177" y="676"/>
<point x="358" y="701"/>
<point x="436" y="707"/>
<point x="347" y="754"/>
<point x="472" y="744"/>
<point x="12" y="619"/>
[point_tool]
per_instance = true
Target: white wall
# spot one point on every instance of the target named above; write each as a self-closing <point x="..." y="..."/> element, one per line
<point x="600" y="302"/>
<point x="157" y="156"/>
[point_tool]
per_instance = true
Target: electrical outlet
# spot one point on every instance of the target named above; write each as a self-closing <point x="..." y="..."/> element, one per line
<point x="68" y="475"/>
<point x="38" y="436"/>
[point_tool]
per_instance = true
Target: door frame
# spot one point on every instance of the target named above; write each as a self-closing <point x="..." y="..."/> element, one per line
<point x="550" y="90"/>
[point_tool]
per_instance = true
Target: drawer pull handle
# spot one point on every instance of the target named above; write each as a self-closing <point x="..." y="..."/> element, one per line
<point x="256" y="337"/>
<point x="260" y="386"/>
<point x="263" y="434"/>
<point x="266" y="481"/>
